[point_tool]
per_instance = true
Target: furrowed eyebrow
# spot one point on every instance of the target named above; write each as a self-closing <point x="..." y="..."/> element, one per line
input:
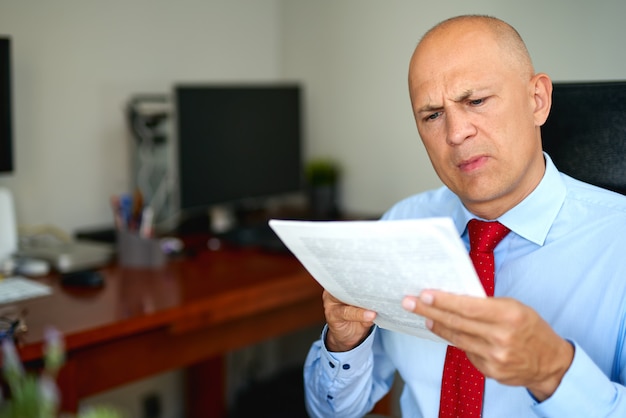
<point x="460" y="98"/>
<point x="464" y="96"/>
<point x="429" y="108"/>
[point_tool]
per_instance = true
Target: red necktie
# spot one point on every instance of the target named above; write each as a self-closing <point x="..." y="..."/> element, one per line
<point x="462" y="384"/>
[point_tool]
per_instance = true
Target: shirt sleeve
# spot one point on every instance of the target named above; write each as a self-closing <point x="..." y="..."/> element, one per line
<point x="584" y="392"/>
<point x="346" y="384"/>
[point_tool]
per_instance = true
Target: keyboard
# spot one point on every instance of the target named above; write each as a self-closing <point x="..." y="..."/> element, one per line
<point x="16" y="288"/>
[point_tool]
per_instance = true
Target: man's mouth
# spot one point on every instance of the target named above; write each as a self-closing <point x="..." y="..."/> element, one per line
<point x="473" y="163"/>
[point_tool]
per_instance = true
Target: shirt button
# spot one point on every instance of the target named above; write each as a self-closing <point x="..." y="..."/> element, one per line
<point x="346" y="366"/>
<point x="330" y="363"/>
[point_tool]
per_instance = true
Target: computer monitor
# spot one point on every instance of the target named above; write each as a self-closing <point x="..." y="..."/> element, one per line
<point x="585" y="134"/>
<point x="237" y="143"/>
<point x="6" y="131"/>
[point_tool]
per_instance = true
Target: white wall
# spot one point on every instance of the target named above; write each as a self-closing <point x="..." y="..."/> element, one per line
<point x="76" y="64"/>
<point x="353" y="56"/>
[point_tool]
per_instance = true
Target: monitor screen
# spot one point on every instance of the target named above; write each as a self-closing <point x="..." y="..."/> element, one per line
<point x="6" y="132"/>
<point x="237" y="142"/>
<point x="585" y="134"/>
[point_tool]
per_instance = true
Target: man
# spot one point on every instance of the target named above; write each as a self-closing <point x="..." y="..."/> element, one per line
<point x="551" y="342"/>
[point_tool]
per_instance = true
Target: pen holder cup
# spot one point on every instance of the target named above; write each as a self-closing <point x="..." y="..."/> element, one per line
<point x="136" y="251"/>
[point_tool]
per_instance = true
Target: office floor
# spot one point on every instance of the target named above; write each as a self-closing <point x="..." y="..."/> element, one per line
<point x="280" y="396"/>
<point x="266" y="380"/>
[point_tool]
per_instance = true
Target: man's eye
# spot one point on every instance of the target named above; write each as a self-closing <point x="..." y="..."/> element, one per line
<point x="433" y="116"/>
<point x="477" y="102"/>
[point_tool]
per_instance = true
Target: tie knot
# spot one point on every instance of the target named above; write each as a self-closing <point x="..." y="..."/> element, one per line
<point x="485" y="236"/>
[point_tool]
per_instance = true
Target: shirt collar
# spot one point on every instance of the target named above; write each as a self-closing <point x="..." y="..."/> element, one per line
<point x="532" y="218"/>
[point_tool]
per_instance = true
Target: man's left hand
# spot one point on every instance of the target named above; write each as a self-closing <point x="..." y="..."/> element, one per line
<point x="505" y="339"/>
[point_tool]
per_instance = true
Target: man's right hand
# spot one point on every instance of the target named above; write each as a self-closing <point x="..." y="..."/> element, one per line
<point x="348" y="325"/>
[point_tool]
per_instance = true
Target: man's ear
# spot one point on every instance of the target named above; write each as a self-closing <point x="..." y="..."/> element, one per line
<point x="542" y="86"/>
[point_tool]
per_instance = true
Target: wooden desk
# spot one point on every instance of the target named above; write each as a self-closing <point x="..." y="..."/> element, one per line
<point x="185" y="315"/>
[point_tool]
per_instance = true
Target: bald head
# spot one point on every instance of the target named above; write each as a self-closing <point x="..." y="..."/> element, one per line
<point x="511" y="47"/>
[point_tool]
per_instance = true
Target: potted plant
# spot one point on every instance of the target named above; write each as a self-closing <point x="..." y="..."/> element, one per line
<point x="322" y="176"/>
<point x="32" y="396"/>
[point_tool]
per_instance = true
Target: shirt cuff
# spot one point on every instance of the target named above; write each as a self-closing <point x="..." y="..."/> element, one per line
<point x="584" y="391"/>
<point x="340" y="364"/>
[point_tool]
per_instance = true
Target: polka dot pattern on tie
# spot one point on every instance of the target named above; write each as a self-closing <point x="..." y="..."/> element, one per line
<point x="462" y="384"/>
<point x="484" y="237"/>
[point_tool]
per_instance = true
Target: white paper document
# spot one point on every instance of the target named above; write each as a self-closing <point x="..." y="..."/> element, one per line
<point x="374" y="264"/>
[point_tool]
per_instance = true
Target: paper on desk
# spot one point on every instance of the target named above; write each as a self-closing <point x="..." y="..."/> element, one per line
<point x="374" y="264"/>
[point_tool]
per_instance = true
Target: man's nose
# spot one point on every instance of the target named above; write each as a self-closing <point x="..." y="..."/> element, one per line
<point x="459" y="127"/>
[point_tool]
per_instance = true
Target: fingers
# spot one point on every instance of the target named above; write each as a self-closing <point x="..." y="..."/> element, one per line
<point x="481" y="327"/>
<point x="505" y="339"/>
<point x="458" y="319"/>
<point x="348" y="325"/>
<point x="336" y="310"/>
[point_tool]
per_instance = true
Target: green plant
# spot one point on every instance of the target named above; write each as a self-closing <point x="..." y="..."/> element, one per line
<point x="99" y="412"/>
<point x="32" y="396"/>
<point x="322" y="172"/>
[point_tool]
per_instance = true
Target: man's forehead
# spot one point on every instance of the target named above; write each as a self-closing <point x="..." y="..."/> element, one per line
<point x="451" y="75"/>
<point x="435" y="90"/>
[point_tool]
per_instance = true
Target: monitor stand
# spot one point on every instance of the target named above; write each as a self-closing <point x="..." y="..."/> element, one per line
<point x="244" y="228"/>
<point x="253" y="235"/>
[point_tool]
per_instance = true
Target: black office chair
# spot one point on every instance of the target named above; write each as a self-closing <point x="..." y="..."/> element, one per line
<point x="585" y="134"/>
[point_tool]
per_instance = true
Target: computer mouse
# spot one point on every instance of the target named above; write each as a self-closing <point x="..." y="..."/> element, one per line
<point x="83" y="278"/>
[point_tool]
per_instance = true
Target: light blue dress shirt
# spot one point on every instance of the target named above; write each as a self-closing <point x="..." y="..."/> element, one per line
<point x="565" y="258"/>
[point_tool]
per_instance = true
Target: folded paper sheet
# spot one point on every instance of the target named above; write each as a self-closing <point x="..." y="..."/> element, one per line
<point x="374" y="264"/>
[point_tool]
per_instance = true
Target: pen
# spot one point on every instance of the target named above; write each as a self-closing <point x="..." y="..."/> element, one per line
<point x="125" y="210"/>
<point x="147" y="219"/>
<point x="117" y="216"/>
<point x="137" y="207"/>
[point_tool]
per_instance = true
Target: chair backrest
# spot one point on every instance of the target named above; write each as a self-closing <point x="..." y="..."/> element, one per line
<point x="8" y="225"/>
<point x="585" y="134"/>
